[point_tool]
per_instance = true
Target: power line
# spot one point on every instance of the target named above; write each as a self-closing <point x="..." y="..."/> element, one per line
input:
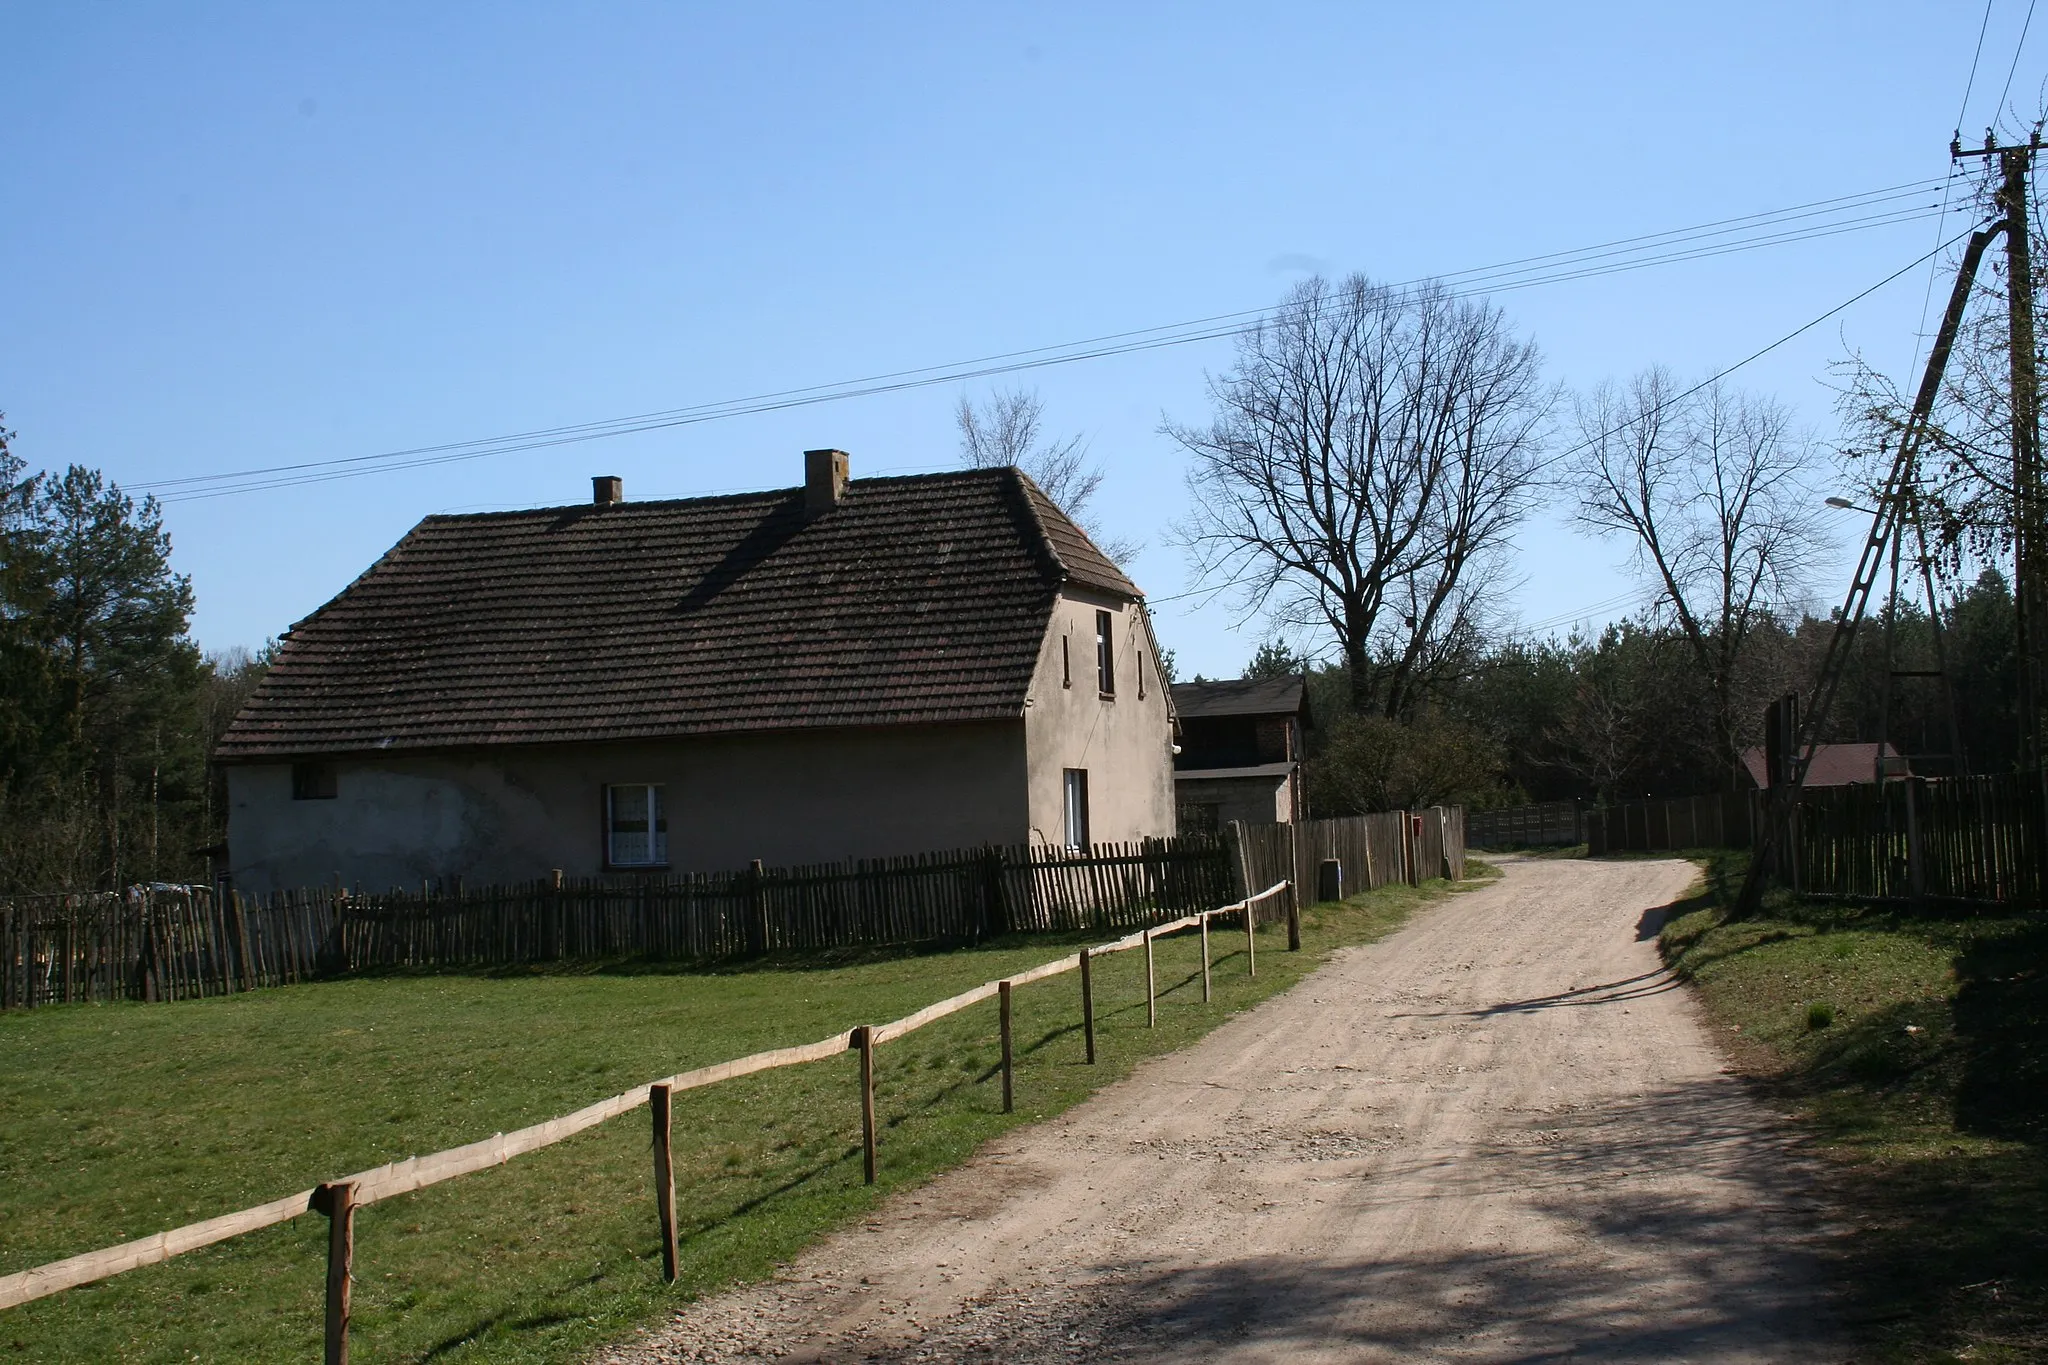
<point x="1148" y="339"/>
<point x="1670" y="247"/>
<point x="1633" y="595"/>
<point x="1971" y="84"/>
<point x="1839" y="203"/>
<point x="2020" y="47"/>
<point x="1948" y="184"/>
<point x="1587" y="444"/>
<point x="1143" y="339"/>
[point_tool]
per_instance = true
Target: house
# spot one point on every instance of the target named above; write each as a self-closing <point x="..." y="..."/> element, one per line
<point x="1833" y="765"/>
<point x="1240" y="751"/>
<point x="852" y="668"/>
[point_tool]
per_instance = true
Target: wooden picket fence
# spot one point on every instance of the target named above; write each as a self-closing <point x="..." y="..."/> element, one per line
<point x="1717" y="820"/>
<point x="1370" y="850"/>
<point x="176" y="943"/>
<point x="340" y="1200"/>
<point x="1964" y="839"/>
<point x="1544" y="824"/>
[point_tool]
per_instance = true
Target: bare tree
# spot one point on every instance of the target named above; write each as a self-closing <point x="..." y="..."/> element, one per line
<point x="1712" y="488"/>
<point x="1005" y="432"/>
<point x="1371" y="451"/>
<point x="1964" y="479"/>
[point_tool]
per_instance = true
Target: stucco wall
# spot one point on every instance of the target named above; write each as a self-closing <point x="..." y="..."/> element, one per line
<point x="517" y="813"/>
<point x="1124" y="742"/>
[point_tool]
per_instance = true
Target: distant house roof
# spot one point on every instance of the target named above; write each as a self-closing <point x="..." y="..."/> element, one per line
<point x="916" y="599"/>
<point x="1834" y="765"/>
<point x="1241" y="697"/>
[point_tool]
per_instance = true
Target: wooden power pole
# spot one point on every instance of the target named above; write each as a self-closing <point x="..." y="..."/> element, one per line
<point x="2029" y="532"/>
<point x="1897" y="509"/>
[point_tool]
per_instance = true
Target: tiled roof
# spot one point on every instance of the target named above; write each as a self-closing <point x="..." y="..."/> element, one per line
<point x="1240" y="697"/>
<point x="917" y="599"/>
<point x="1077" y="554"/>
<point x="1833" y="765"/>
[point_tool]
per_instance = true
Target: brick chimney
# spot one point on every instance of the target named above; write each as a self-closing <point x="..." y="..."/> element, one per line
<point x="824" y="479"/>
<point x="606" y="489"/>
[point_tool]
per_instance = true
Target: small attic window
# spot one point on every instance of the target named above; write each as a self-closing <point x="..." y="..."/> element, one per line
<point x="314" y="782"/>
<point x="1105" y="655"/>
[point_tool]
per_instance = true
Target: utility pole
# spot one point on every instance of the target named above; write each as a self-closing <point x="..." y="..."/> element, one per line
<point x="2029" y="533"/>
<point x="1896" y="504"/>
<point x="2015" y="162"/>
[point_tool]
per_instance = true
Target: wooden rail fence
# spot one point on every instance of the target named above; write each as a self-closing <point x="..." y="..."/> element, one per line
<point x="340" y="1199"/>
<point x="175" y="943"/>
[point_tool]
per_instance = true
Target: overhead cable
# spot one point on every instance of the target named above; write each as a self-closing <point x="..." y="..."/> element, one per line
<point x="1761" y="230"/>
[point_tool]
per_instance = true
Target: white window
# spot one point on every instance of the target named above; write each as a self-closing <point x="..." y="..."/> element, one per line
<point x="636" y="826"/>
<point x="1077" y="807"/>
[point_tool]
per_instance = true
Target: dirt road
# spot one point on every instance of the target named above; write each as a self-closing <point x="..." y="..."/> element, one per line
<point x="1501" y="1134"/>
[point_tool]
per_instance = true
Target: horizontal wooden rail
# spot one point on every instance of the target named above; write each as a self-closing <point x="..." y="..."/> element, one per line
<point x="910" y="1023"/>
<point x="417" y="1173"/>
<point x="73" y="1271"/>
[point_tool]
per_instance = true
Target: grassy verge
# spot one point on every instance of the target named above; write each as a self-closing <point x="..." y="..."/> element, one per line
<point x="1916" y="1045"/>
<point x="121" y="1120"/>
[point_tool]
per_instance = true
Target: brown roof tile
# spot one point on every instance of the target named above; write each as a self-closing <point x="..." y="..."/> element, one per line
<point x="918" y="599"/>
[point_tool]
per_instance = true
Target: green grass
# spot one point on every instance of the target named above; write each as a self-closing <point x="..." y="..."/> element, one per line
<point x="1916" y="1047"/>
<point x="117" y="1121"/>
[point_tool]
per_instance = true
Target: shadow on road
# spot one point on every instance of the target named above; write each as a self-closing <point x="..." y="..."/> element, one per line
<point x="1673" y="1230"/>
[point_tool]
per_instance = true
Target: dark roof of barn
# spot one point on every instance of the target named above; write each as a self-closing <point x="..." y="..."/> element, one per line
<point x="1241" y="697"/>
<point x="1833" y="765"/>
<point x="917" y="599"/>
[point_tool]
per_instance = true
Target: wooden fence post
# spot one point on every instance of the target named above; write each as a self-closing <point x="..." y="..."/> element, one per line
<point x="1205" y="959"/>
<point x="1151" y="987"/>
<point x="242" y="940"/>
<point x="865" y="1041"/>
<point x="1251" y="939"/>
<point x="338" y="1202"/>
<point x="1240" y="863"/>
<point x="995" y="914"/>
<point x="1916" y="863"/>
<point x="1293" y="881"/>
<point x="659" y="1100"/>
<point x="1003" y="998"/>
<point x="1087" y="1007"/>
<point x="757" y="913"/>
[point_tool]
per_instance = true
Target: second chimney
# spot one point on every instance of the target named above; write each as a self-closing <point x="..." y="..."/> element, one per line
<point x="606" y="489"/>
<point x="824" y="479"/>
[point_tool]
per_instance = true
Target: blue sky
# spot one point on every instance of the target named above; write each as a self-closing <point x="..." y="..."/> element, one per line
<point x="243" y="236"/>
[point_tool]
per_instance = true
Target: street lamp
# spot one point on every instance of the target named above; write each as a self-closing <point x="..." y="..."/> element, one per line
<point x="1848" y="506"/>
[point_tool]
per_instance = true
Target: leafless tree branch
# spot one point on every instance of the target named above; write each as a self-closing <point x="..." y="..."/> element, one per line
<point x="1370" y="453"/>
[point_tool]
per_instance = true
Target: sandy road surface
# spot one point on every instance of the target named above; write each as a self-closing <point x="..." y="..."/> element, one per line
<point x="1501" y="1134"/>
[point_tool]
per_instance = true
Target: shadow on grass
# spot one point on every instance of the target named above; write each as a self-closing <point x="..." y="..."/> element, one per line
<point x="1938" y="1097"/>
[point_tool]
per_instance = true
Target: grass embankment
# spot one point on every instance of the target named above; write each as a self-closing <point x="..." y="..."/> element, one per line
<point x="1916" y="1045"/>
<point x="121" y="1120"/>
